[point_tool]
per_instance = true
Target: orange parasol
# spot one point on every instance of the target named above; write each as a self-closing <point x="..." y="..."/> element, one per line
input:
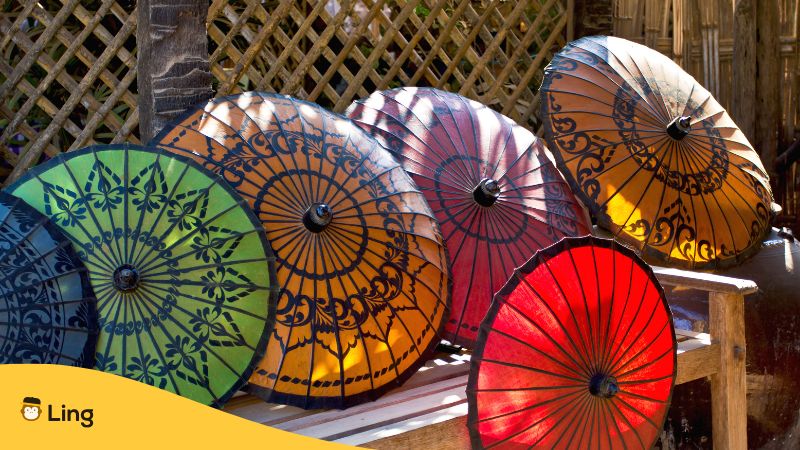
<point x="655" y="158"/>
<point x="360" y="259"/>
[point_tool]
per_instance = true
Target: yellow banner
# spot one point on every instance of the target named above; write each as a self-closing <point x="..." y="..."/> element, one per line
<point x="50" y="406"/>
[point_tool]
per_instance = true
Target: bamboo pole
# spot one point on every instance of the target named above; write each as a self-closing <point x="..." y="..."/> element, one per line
<point x="570" y="20"/>
<point x="744" y="66"/>
<point x="652" y="22"/>
<point x="709" y="20"/>
<point x="677" y="31"/>
<point x="624" y="12"/>
<point x="638" y="18"/>
<point x="768" y="84"/>
<point x="790" y="116"/>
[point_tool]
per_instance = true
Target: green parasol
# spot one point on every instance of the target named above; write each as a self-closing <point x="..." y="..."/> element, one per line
<point x="180" y="266"/>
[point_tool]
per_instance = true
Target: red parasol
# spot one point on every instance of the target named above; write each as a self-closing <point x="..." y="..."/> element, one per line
<point x="577" y="350"/>
<point x="489" y="181"/>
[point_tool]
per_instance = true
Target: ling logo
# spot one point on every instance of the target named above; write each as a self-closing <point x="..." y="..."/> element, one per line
<point x="32" y="410"/>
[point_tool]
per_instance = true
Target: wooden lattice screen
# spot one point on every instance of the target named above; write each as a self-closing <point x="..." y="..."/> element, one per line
<point x="336" y="51"/>
<point x="68" y="67"/>
<point x="66" y="73"/>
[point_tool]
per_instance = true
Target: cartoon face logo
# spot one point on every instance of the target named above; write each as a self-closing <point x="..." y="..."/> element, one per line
<point x="31" y="408"/>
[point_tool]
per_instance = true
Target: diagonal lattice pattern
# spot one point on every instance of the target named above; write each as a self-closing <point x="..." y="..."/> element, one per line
<point x="67" y="72"/>
<point x="68" y="67"/>
<point x="333" y="52"/>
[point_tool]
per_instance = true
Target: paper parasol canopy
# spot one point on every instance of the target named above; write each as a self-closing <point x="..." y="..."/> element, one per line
<point x="655" y="158"/>
<point x="577" y="351"/>
<point x="180" y="266"/>
<point x="47" y="307"/>
<point x="489" y="181"/>
<point x="360" y="260"/>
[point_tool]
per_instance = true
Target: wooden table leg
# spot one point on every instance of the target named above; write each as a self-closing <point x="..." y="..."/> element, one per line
<point x="728" y="386"/>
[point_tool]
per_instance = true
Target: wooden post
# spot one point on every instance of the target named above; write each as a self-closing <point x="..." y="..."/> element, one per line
<point x="728" y="386"/>
<point x="768" y="107"/>
<point x="744" y="67"/>
<point x="173" y="72"/>
<point x="570" y="20"/>
<point x="678" y="7"/>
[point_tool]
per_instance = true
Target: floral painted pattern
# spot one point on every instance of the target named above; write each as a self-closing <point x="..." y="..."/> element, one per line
<point x="698" y="200"/>
<point x="176" y="263"/>
<point x="46" y="305"/>
<point x="363" y="296"/>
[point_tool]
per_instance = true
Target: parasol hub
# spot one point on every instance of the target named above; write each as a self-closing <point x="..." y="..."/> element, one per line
<point x="317" y="217"/>
<point x="604" y="386"/>
<point x="126" y="278"/>
<point x="679" y="127"/>
<point x="486" y="192"/>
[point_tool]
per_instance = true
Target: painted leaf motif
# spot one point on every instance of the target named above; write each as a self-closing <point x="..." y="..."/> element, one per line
<point x="63" y="206"/>
<point x="103" y="187"/>
<point x="149" y="225"/>
<point x="214" y="244"/>
<point x="149" y="189"/>
<point x="188" y="209"/>
<point x="218" y="327"/>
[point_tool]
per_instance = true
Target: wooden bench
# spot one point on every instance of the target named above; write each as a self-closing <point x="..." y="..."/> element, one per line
<point x="429" y="410"/>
